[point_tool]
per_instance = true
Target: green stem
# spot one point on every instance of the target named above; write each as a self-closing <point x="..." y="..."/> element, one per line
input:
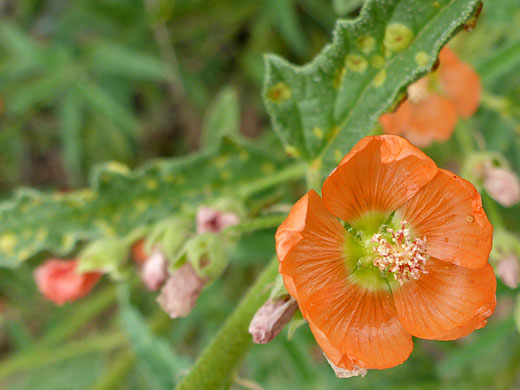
<point x="292" y="172"/>
<point x="215" y="366"/>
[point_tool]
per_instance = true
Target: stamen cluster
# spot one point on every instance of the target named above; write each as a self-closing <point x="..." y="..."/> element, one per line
<point x="405" y="257"/>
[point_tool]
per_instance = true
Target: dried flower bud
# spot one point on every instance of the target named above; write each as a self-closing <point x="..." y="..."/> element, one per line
<point x="508" y="270"/>
<point x="344" y="373"/>
<point x="179" y="295"/>
<point x="503" y="186"/>
<point x="59" y="280"/>
<point x="270" y="319"/>
<point x="210" y="220"/>
<point x="154" y="271"/>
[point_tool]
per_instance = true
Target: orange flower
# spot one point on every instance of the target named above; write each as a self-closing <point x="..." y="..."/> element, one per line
<point x="396" y="248"/>
<point x="434" y="102"/>
<point x="60" y="282"/>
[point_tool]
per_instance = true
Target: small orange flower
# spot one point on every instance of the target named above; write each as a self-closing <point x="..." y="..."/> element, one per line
<point x="396" y="248"/>
<point x="59" y="281"/>
<point x="434" y="102"/>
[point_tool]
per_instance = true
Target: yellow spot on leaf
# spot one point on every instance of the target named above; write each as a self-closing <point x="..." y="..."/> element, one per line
<point x="436" y="4"/>
<point x="380" y="78"/>
<point x="318" y="133"/>
<point x="397" y="37"/>
<point x="23" y="254"/>
<point x="292" y="151"/>
<point x="268" y="167"/>
<point x="140" y="205"/>
<point x="41" y="234"/>
<point x="377" y="61"/>
<point x="243" y="155"/>
<point x="117" y="167"/>
<point x="220" y="161"/>
<point x="8" y="242"/>
<point x="225" y="174"/>
<point x="67" y="242"/>
<point x="333" y="133"/>
<point x="366" y="43"/>
<point x="422" y="59"/>
<point x="356" y="63"/>
<point x="279" y="92"/>
<point x="316" y="164"/>
<point x="152" y="184"/>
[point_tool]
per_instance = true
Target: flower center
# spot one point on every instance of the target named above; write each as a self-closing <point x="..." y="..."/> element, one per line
<point x="400" y="254"/>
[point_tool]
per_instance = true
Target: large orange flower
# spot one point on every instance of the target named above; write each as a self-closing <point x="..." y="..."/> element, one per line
<point x="434" y="102"/>
<point x="396" y="248"/>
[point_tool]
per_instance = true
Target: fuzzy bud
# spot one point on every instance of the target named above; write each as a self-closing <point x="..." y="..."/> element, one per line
<point x="154" y="270"/>
<point x="508" y="270"/>
<point x="181" y="291"/>
<point x="344" y="373"/>
<point x="502" y="185"/>
<point x="108" y="255"/>
<point x="210" y="220"/>
<point x="270" y="319"/>
<point x="59" y="280"/>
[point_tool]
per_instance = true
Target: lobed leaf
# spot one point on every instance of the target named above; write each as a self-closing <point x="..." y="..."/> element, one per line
<point x="120" y="200"/>
<point x="322" y="109"/>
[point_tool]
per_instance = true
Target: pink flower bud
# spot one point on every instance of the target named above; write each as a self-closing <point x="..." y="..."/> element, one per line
<point x="270" y="319"/>
<point x="154" y="271"/>
<point x="59" y="281"/>
<point x="211" y="220"/>
<point x="508" y="270"/>
<point x="344" y="373"/>
<point x="179" y="295"/>
<point x="503" y="186"/>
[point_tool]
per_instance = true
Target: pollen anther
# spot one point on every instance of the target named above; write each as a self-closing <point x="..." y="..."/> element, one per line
<point x="400" y="254"/>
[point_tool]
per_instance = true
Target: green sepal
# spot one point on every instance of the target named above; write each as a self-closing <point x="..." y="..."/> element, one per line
<point x="108" y="255"/>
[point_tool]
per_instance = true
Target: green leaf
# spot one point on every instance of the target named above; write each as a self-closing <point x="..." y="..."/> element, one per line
<point x="344" y="7"/>
<point x="155" y="358"/>
<point x="120" y="200"/>
<point x="322" y="109"/>
<point x="111" y="58"/>
<point x="285" y="17"/>
<point x="223" y="117"/>
<point x="71" y="121"/>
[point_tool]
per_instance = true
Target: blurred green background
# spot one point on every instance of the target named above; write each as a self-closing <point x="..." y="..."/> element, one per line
<point x="87" y="81"/>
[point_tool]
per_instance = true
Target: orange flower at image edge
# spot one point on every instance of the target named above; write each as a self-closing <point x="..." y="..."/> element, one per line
<point x="396" y="248"/>
<point x="435" y="101"/>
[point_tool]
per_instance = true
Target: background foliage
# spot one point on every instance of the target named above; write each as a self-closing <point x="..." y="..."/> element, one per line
<point x="139" y="81"/>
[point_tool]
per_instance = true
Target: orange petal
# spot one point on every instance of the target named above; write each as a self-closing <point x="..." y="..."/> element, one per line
<point x="448" y="212"/>
<point x="396" y="122"/>
<point x="378" y="175"/>
<point x="357" y="327"/>
<point x="448" y="302"/>
<point x="460" y="82"/>
<point x="431" y="119"/>
<point x="310" y="242"/>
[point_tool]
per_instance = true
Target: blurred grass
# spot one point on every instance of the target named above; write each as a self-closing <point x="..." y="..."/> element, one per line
<point x="97" y="80"/>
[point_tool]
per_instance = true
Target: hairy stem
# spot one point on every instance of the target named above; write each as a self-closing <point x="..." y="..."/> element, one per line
<point x="215" y="367"/>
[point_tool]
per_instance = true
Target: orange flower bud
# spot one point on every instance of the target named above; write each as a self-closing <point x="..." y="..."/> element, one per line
<point x="60" y="282"/>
